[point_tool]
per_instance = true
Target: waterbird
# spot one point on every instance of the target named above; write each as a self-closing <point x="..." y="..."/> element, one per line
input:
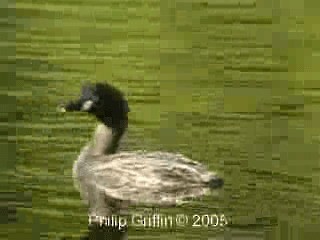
<point x="109" y="181"/>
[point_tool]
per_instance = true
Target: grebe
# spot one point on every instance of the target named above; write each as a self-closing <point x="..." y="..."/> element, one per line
<point x="108" y="180"/>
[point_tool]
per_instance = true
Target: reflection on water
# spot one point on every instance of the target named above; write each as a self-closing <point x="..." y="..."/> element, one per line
<point x="230" y="85"/>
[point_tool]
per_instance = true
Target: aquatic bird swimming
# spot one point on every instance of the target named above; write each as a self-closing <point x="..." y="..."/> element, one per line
<point x="107" y="178"/>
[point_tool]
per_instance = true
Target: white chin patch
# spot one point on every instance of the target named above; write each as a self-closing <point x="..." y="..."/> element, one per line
<point x="87" y="105"/>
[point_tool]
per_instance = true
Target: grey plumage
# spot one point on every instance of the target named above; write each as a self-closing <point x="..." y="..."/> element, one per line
<point x="155" y="178"/>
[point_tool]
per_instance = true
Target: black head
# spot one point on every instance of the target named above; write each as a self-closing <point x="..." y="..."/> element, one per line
<point x="104" y="101"/>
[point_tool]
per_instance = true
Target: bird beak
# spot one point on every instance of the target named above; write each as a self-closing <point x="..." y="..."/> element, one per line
<point x="70" y="107"/>
<point x="61" y="108"/>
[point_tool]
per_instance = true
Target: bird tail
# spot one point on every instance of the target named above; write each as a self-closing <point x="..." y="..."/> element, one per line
<point x="216" y="182"/>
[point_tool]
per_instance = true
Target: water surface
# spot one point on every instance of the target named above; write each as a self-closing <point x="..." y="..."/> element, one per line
<point x="231" y="84"/>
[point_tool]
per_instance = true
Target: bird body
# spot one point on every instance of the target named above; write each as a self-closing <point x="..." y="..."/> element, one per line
<point x="151" y="178"/>
<point x="154" y="177"/>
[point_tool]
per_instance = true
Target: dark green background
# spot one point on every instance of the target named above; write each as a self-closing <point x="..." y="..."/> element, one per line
<point x="232" y="84"/>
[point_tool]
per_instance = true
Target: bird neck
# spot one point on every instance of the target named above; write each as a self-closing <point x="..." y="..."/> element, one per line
<point x="106" y="139"/>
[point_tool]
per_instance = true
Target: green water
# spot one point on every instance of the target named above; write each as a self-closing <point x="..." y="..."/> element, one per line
<point x="231" y="84"/>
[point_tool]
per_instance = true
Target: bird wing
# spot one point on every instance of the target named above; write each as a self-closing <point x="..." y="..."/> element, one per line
<point x="150" y="177"/>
